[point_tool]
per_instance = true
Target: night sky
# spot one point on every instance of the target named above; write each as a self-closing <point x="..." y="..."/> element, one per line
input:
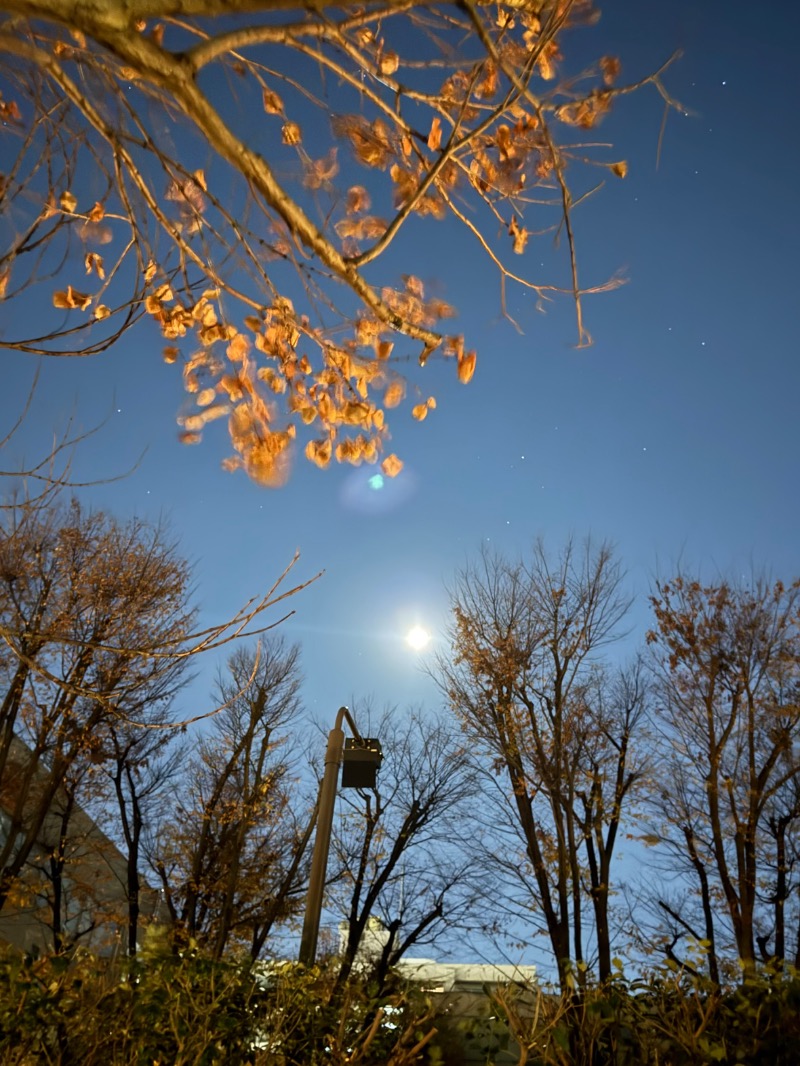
<point x="675" y="435"/>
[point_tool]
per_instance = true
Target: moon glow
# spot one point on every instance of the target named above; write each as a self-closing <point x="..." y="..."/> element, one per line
<point x="417" y="637"/>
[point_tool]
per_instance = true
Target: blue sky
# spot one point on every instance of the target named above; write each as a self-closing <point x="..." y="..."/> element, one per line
<point x="675" y="435"/>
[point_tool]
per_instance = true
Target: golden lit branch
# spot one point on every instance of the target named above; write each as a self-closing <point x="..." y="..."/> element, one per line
<point x="274" y="293"/>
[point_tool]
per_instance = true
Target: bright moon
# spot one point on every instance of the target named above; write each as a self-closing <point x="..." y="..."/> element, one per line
<point x="417" y="638"/>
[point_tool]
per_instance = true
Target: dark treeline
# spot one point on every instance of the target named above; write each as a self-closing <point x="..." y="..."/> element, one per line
<point x="504" y="814"/>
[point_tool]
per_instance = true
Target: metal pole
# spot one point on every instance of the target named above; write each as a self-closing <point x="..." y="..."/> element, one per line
<point x="322" y="840"/>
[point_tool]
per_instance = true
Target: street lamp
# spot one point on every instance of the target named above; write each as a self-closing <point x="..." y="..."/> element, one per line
<point x="361" y="759"/>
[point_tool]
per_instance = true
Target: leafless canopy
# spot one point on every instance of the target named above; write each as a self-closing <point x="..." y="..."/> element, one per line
<point x="252" y="175"/>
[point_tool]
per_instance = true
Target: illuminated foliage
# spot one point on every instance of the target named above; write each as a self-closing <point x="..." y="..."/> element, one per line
<point x="236" y="172"/>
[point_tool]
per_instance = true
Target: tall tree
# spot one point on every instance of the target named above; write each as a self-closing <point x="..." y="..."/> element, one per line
<point x="140" y="766"/>
<point x="231" y="857"/>
<point x="727" y="662"/>
<point x="89" y="609"/>
<point x="400" y="850"/>
<point x="139" y="185"/>
<point x="524" y="677"/>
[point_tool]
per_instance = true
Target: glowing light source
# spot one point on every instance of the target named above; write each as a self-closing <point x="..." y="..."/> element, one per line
<point x="417" y="637"/>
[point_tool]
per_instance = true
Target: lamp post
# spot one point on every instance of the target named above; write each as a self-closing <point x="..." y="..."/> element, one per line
<point x="368" y="755"/>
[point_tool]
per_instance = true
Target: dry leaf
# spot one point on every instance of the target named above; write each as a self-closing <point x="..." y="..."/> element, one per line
<point x="217" y="411"/>
<point x="368" y="226"/>
<point x="94" y="262"/>
<point x="101" y="312"/>
<point x="620" y="169"/>
<point x="388" y="63"/>
<point x="9" y="111"/>
<point x="170" y="354"/>
<point x="238" y="348"/>
<point x="68" y="202"/>
<point x="420" y="412"/>
<point x="290" y="134"/>
<point x="611" y="68"/>
<point x="71" y="299"/>
<point x="394" y="394"/>
<point x="357" y="199"/>
<point x="546" y="61"/>
<point x="435" y="135"/>
<point x="520" y="236"/>
<point x="391" y="465"/>
<point x="319" y="172"/>
<point x="273" y="105"/>
<point x="466" y="367"/>
<point x="319" y="452"/>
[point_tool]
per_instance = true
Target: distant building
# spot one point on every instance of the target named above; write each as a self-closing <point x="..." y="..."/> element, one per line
<point x="463" y="992"/>
<point x="436" y="976"/>
<point x="94" y="881"/>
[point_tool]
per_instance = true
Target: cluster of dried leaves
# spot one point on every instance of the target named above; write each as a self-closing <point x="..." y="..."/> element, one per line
<point x="217" y="154"/>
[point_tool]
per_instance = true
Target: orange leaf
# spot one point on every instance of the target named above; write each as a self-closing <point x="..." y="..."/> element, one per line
<point x="391" y="465"/>
<point x="319" y="172"/>
<point x="357" y="199"/>
<point x="610" y="67"/>
<point x="520" y="236"/>
<point x="620" y="169"/>
<point x="238" y="348"/>
<point x="420" y="412"/>
<point x="273" y="105"/>
<point x="388" y="63"/>
<point x="435" y="136"/>
<point x="71" y="298"/>
<point x="93" y="261"/>
<point x="394" y="394"/>
<point x="466" y="367"/>
<point x="290" y="134"/>
<point x="319" y="452"/>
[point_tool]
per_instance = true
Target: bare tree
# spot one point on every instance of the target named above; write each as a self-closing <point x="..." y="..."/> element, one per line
<point x="62" y="885"/>
<point x="231" y="857"/>
<point x="556" y="735"/>
<point x="140" y="766"/>
<point x="84" y="600"/>
<point x="400" y="849"/>
<point x="139" y="186"/>
<point x="727" y="663"/>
